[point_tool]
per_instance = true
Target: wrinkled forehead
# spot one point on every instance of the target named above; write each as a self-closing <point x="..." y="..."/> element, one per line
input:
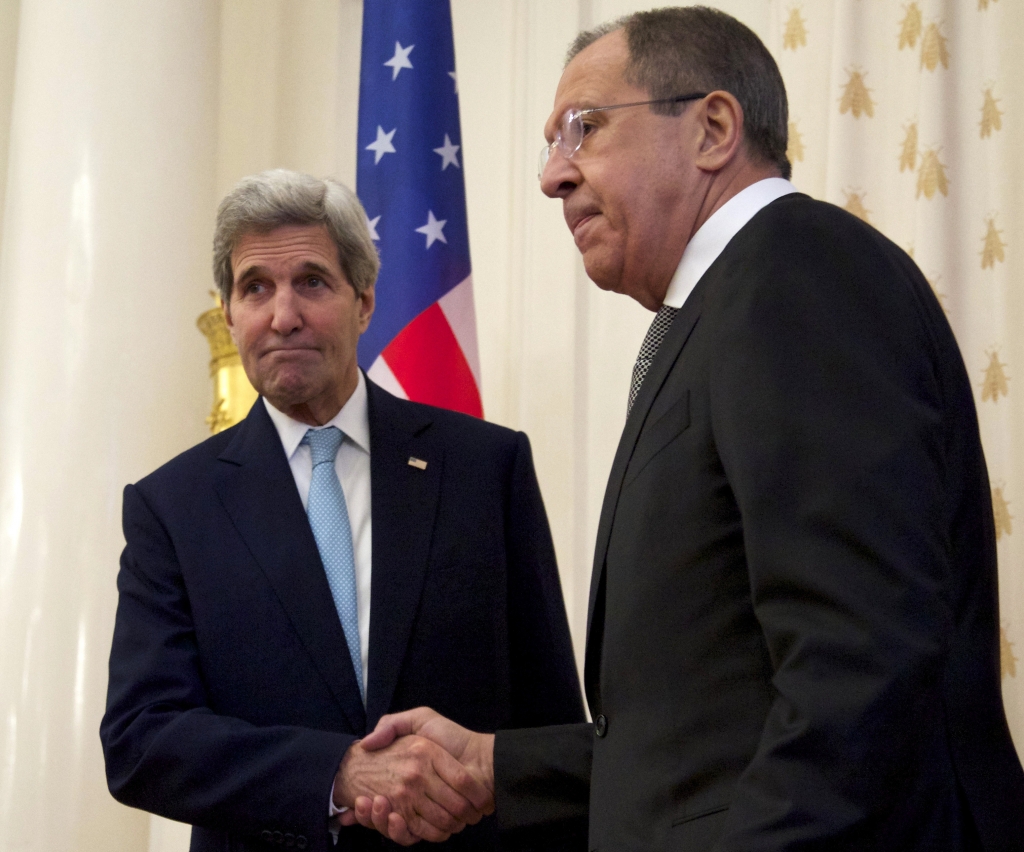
<point x="294" y="245"/>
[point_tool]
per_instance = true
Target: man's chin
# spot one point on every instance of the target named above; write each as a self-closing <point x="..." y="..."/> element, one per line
<point x="602" y="276"/>
<point x="285" y="395"/>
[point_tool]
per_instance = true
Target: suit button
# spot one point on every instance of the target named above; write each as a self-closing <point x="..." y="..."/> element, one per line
<point x="278" y="838"/>
<point x="301" y="841"/>
<point x="268" y="836"/>
<point x="601" y="725"/>
<point x="289" y="840"/>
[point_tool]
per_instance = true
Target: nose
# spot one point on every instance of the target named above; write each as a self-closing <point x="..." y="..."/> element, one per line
<point x="287" y="314"/>
<point x="559" y="176"/>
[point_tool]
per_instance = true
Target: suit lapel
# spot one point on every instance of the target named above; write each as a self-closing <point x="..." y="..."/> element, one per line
<point x="256" y="487"/>
<point x="664" y="360"/>
<point x="404" y="509"/>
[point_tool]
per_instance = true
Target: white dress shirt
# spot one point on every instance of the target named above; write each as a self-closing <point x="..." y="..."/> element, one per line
<point x="714" y="235"/>
<point x="353" y="467"/>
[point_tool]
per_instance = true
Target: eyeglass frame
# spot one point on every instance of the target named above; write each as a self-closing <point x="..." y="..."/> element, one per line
<point x="575" y="115"/>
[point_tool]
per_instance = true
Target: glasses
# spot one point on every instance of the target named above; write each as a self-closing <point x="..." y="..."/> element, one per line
<point x="571" y="131"/>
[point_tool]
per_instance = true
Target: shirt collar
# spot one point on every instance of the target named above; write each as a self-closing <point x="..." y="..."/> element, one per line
<point x="714" y="235"/>
<point x="353" y="420"/>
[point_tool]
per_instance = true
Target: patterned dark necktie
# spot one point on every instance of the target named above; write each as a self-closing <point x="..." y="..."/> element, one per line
<point x="655" y="334"/>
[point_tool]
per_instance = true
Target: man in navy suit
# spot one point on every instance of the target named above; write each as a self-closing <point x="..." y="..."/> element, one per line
<point x="241" y="678"/>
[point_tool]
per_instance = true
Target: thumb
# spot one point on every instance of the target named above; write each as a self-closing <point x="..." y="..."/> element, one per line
<point x="396" y="725"/>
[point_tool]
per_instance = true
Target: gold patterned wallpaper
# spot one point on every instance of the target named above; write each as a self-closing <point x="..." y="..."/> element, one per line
<point x="908" y="116"/>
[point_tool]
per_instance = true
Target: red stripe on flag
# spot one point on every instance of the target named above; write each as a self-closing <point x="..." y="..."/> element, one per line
<point x="428" y="362"/>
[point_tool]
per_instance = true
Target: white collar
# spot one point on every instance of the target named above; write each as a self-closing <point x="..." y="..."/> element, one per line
<point x="714" y="235"/>
<point x="353" y="420"/>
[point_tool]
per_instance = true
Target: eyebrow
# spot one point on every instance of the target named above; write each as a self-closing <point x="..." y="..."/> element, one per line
<point x="313" y="266"/>
<point x="258" y="270"/>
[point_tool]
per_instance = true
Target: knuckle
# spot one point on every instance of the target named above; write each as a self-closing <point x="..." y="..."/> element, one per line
<point x="463" y="778"/>
<point x="424" y="830"/>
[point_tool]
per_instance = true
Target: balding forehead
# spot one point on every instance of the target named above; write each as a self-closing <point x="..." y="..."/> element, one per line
<point x="593" y="75"/>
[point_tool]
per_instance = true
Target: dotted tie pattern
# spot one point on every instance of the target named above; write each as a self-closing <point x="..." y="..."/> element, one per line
<point x="655" y="334"/>
<point x="328" y="517"/>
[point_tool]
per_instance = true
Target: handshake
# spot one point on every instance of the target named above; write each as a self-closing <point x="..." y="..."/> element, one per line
<point x="418" y="776"/>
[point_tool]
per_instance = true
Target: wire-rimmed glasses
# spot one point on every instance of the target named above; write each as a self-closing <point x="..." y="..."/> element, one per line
<point x="571" y="131"/>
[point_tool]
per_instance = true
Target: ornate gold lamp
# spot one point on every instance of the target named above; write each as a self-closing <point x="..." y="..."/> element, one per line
<point x="233" y="396"/>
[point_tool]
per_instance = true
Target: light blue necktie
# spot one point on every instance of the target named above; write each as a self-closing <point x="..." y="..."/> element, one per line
<point x="328" y="516"/>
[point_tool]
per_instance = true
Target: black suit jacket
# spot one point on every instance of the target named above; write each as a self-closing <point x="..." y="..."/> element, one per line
<point x="793" y="638"/>
<point x="232" y="697"/>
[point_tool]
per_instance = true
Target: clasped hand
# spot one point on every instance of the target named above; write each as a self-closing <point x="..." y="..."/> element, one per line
<point x="418" y="776"/>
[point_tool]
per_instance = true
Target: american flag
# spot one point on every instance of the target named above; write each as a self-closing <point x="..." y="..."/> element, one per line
<point x="421" y="343"/>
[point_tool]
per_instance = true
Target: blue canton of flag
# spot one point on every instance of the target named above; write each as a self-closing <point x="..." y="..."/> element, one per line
<point x="421" y="343"/>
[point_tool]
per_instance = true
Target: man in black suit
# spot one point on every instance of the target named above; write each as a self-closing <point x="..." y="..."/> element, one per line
<point x="792" y="640"/>
<point x="242" y="675"/>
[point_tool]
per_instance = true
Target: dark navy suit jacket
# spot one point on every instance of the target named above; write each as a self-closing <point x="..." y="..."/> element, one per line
<point x="232" y="697"/>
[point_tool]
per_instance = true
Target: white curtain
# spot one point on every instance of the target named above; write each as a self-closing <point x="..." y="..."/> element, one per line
<point x="909" y="115"/>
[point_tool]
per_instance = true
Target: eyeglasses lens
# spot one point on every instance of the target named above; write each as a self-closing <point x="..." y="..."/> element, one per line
<point x="571" y="132"/>
<point x="568" y="139"/>
<point x="545" y="155"/>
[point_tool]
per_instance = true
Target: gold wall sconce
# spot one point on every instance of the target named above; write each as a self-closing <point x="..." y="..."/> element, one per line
<point x="233" y="396"/>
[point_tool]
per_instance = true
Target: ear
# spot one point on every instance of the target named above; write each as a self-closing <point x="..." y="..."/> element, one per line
<point x="226" y="308"/>
<point x="365" y="307"/>
<point x="721" y="122"/>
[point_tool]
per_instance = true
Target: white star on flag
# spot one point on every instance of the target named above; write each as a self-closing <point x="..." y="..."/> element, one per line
<point x="448" y="152"/>
<point x="382" y="144"/>
<point x="455" y="77"/>
<point x="400" y="60"/>
<point x="371" y="225"/>
<point x="434" y="229"/>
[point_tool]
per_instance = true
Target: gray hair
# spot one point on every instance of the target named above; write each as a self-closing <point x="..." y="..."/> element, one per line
<point x="696" y="49"/>
<point x="263" y="202"/>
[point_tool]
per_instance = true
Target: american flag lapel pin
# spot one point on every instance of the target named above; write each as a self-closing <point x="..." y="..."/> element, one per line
<point x="417" y="463"/>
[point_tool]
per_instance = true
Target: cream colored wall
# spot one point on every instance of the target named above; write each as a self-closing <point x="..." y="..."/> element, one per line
<point x="104" y="264"/>
<point x="8" y="55"/>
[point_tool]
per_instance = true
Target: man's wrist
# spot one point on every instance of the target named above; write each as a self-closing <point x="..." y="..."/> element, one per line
<point x="483" y="759"/>
<point x="341" y="797"/>
<point x="333" y="810"/>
